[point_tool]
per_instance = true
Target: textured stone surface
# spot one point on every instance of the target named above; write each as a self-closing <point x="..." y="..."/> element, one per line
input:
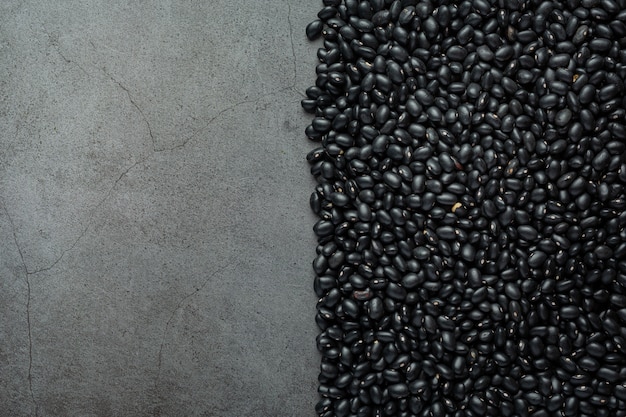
<point x="155" y="236"/>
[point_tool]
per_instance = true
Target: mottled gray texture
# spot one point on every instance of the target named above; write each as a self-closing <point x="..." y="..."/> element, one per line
<point x="155" y="235"/>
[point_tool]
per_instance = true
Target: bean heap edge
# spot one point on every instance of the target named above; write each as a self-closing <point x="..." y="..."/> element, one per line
<point x="471" y="254"/>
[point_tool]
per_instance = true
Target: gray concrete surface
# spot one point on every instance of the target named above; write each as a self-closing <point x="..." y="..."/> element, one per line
<point x="155" y="236"/>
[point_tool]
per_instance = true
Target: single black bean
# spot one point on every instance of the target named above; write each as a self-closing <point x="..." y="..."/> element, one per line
<point x="399" y="390"/>
<point x="587" y="94"/>
<point x="600" y="45"/>
<point x="392" y="179"/>
<point x="536" y="259"/>
<point x="314" y="29"/>
<point x="456" y="53"/>
<point x="563" y="117"/>
<point x="527" y="232"/>
<point x="375" y="308"/>
<point x="447" y="198"/>
<point x="601" y="160"/>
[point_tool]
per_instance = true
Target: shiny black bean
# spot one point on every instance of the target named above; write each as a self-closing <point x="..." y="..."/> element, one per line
<point x="456" y="53"/>
<point x="601" y="160"/>
<point x="398" y="390"/>
<point x="471" y="173"/>
<point x="314" y="29"/>
<point x="527" y="232"/>
<point x="563" y="117"/>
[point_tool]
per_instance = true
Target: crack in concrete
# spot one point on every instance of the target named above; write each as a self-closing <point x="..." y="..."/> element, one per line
<point x="298" y="92"/>
<point x="127" y="170"/>
<point x="29" y="273"/>
<point x="207" y="125"/>
<point x="30" y="347"/>
<point x="292" y="87"/>
<point x="69" y="61"/>
<point x="134" y="103"/>
<point x="28" y="322"/>
<point x="89" y="221"/>
<point x="293" y="48"/>
<point x="155" y="150"/>
<point x="167" y="324"/>
<point x="293" y="54"/>
<point x="55" y="44"/>
<point x="220" y="113"/>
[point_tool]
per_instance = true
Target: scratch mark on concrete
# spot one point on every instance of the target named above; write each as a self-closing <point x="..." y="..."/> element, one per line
<point x="93" y="46"/>
<point x="298" y="92"/>
<point x="167" y="324"/>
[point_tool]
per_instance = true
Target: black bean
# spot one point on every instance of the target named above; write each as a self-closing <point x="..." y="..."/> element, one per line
<point x="344" y="140"/>
<point x="470" y="173"/>
<point x="456" y="53"/>
<point x="569" y="312"/>
<point x="381" y="17"/>
<point x="601" y="160"/>
<point x="314" y="29"/>
<point x="477" y="405"/>
<point x="525" y="76"/>
<point x="587" y="94"/>
<point x="581" y="34"/>
<point x="527" y="232"/>
<point x="399" y="390"/>
<point x="620" y="391"/>
<point x="600" y="45"/>
<point x="392" y="179"/>
<point x="424" y="97"/>
<point x="447" y="198"/>
<point x="512" y="291"/>
<point x="536" y="259"/>
<point x="563" y="117"/>
<point x="603" y="252"/>
<point x="430" y="27"/>
<point x="505" y="53"/>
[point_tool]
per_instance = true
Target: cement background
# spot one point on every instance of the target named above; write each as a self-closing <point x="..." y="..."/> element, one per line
<point x="155" y="234"/>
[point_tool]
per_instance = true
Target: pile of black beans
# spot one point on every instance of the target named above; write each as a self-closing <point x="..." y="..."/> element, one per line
<point x="472" y="242"/>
